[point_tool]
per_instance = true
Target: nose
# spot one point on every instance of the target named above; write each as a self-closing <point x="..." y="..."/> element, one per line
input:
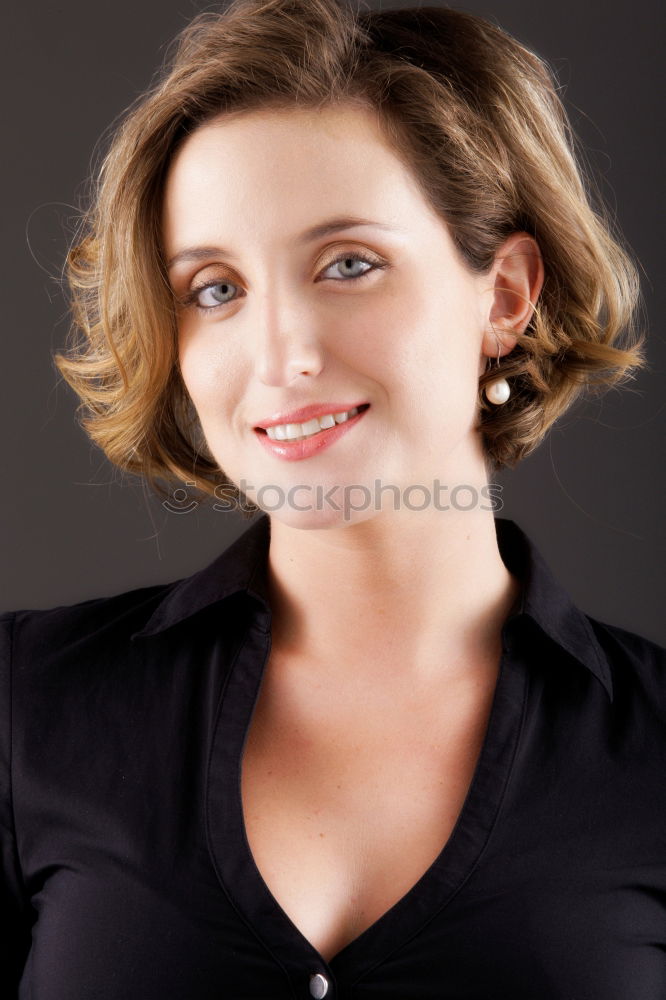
<point x="287" y="344"/>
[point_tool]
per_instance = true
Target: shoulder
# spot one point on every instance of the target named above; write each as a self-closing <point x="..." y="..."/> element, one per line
<point x="228" y="579"/>
<point x="71" y="669"/>
<point x="46" y="652"/>
<point x="93" y="638"/>
<point x="100" y="619"/>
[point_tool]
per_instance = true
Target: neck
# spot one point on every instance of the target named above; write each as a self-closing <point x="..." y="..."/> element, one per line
<point x="408" y="595"/>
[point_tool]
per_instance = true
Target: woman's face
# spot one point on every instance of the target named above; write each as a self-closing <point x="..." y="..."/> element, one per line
<point x="286" y="302"/>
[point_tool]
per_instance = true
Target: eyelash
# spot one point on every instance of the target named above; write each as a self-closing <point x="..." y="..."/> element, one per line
<point x="191" y="298"/>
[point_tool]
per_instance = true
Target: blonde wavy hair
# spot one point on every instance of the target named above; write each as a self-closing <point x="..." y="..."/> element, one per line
<point x="472" y="112"/>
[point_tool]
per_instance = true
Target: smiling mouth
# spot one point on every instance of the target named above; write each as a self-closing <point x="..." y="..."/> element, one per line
<point x="299" y="432"/>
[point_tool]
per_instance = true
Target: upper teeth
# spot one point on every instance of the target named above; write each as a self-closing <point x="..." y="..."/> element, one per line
<point x="288" y="432"/>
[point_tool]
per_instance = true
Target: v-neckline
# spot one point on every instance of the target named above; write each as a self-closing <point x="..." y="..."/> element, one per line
<point x="240" y="876"/>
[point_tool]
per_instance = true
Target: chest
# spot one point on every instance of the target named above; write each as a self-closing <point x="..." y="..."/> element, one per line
<point x="345" y="806"/>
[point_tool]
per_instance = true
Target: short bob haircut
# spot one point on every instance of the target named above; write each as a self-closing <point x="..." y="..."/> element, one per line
<point x="476" y="117"/>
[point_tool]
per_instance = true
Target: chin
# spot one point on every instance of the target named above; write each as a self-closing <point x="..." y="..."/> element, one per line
<point x="318" y="520"/>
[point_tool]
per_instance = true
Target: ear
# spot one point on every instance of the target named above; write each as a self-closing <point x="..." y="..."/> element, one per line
<point x="517" y="278"/>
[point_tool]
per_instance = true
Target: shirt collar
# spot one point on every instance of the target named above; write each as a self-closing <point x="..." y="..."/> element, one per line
<point x="241" y="568"/>
<point x="547" y="603"/>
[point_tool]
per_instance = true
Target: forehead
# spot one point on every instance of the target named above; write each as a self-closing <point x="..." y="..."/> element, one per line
<point x="298" y="141"/>
<point x="282" y="168"/>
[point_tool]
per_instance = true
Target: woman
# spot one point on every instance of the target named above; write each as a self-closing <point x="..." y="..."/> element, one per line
<point x="340" y="266"/>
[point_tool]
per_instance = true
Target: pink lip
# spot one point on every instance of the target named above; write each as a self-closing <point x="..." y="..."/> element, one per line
<point x="294" y="451"/>
<point x="307" y="413"/>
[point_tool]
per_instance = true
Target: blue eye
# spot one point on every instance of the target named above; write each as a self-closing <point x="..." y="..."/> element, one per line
<point x="208" y="297"/>
<point x="213" y="295"/>
<point x="350" y="260"/>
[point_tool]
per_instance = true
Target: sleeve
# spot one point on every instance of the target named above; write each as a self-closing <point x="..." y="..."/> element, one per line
<point x="14" y="905"/>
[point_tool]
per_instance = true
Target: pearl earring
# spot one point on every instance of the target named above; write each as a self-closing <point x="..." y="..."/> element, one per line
<point x="497" y="392"/>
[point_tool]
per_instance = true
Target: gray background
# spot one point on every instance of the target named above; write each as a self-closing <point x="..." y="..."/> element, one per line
<point x="73" y="527"/>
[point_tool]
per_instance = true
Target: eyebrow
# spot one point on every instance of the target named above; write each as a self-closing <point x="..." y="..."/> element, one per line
<point x="314" y="233"/>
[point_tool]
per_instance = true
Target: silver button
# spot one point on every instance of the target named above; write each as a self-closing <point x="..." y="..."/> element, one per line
<point x="318" y="986"/>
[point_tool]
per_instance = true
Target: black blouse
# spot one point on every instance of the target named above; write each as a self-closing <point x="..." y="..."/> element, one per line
<point x="127" y="874"/>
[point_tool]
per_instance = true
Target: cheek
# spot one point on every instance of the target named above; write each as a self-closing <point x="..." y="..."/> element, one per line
<point x="424" y="333"/>
<point x="378" y="336"/>
<point x="209" y="372"/>
<point x="193" y="372"/>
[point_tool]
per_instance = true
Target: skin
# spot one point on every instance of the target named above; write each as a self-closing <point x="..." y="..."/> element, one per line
<point x="422" y="593"/>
